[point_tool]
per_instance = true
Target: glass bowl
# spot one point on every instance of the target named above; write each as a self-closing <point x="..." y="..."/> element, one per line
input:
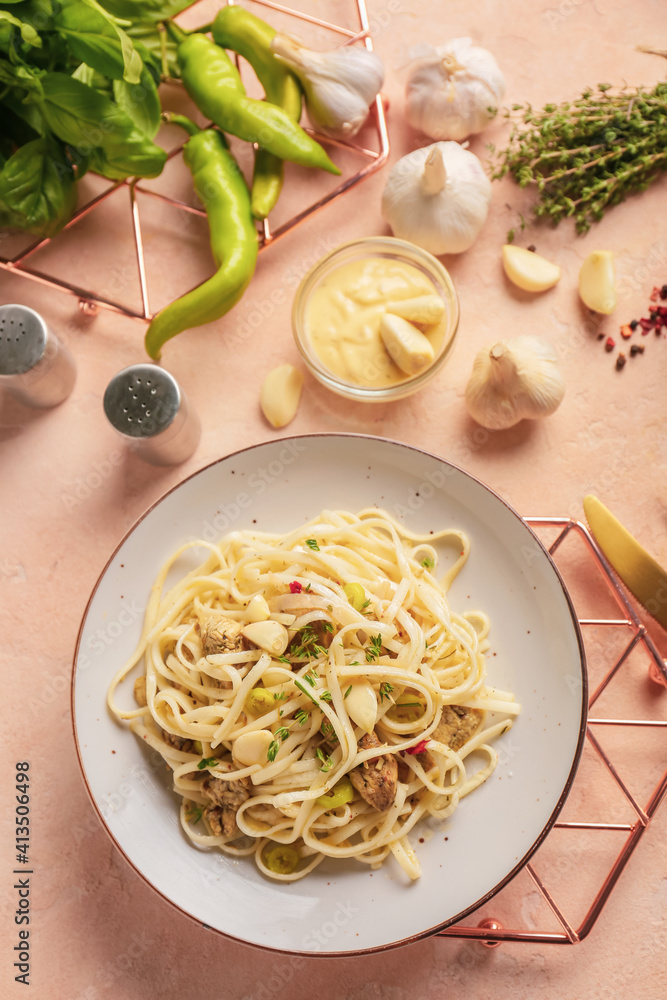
<point x="396" y="384"/>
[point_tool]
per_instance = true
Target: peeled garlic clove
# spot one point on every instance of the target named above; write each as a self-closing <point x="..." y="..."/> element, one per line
<point x="422" y="309"/>
<point x="276" y="674"/>
<point x="407" y="346"/>
<point x="270" y="636"/>
<point x="257" y="609"/>
<point x="280" y="395"/>
<point x="251" y="748"/>
<point x="528" y="270"/>
<point x="596" y="282"/>
<point x="362" y="706"/>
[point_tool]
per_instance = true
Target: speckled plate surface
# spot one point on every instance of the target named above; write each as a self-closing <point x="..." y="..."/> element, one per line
<point x="342" y="908"/>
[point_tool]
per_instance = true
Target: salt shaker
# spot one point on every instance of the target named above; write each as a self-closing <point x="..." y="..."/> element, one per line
<point x="35" y="367"/>
<point x="146" y="405"/>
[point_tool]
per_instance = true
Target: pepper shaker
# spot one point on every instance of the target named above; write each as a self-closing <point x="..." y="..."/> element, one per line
<point x="35" y="367"/>
<point x="147" y="407"/>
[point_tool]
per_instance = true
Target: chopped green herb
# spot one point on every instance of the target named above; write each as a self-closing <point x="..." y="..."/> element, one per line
<point x="328" y="731"/>
<point x="301" y="717"/>
<point x="284" y="659"/>
<point x="310" y="677"/>
<point x="385" y="690"/>
<point x="365" y="604"/>
<point x="307" y="589"/>
<point x="274" y="746"/>
<point x="194" y="813"/>
<point x="325" y="696"/>
<point x="207" y="762"/>
<point x="347" y="692"/>
<point x="327" y="762"/>
<point x="428" y="563"/>
<point x="279" y="695"/>
<point x="355" y="663"/>
<point x="375" y="647"/>
<point x="312" y="544"/>
<point x="327" y="626"/>
<point x="304" y="690"/>
<point x="309" y="645"/>
<point x="282" y="733"/>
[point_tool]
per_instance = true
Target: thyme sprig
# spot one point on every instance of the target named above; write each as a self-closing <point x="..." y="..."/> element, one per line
<point x="587" y="155"/>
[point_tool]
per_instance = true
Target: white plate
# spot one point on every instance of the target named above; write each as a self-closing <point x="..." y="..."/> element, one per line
<point x="538" y="654"/>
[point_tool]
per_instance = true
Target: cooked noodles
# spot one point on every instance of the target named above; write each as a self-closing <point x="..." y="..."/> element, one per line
<point x="314" y="694"/>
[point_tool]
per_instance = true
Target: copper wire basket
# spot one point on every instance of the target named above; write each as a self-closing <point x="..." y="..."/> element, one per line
<point x="372" y="159"/>
<point x="604" y="843"/>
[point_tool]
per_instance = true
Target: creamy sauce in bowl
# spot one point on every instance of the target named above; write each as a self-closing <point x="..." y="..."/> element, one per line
<point x="343" y="313"/>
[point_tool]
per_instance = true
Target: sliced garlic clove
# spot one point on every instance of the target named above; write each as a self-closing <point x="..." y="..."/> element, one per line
<point x="596" y="282"/>
<point x="251" y="748"/>
<point x="407" y="346"/>
<point x="268" y="635"/>
<point x="422" y="309"/>
<point x="276" y="674"/>
<point x="280" y="395"/>
<point x="257" y="610"/>
<point x="528" y="270"/>
<point x="362" y="706"/>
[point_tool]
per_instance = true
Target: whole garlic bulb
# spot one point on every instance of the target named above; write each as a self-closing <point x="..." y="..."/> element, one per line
<point x="437" y="197"/>
<point x="513" y="380"/>
<point x="339" y="85"/>
<point x="450" y="89"/>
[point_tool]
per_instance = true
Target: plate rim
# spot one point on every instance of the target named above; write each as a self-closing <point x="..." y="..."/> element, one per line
<point x="546" y="829"/>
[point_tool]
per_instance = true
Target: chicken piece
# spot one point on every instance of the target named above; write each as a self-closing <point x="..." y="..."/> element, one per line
<point x="222" y="821"/>
<point x="226" y="796"/>
<point x="457" y="724"/>
<point x="220" y="634"/>
<point x="140" y="691"/>
<point x="375" y="780"/>
<point x="178" y="742"/>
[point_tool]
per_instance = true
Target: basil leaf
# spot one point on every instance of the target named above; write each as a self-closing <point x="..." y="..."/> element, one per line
<point x="95" y="39"/>
<point x="148" y="37"/>
<point x="28" y="33"/>
<point x="20" y="122"/>
<point x="145" y="10"/>
<point x="140" y="102"/>
<point x="38" y="188"/>
<point x="94" y="126"/>
<point x="86" y="74"/>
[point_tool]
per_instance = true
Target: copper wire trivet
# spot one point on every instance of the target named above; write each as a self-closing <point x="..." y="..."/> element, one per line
<point x="491" y="931"/>
<point x="90" y="301"/>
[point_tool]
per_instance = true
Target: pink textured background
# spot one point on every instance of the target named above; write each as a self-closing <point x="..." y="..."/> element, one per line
<point x="97" y="930"/>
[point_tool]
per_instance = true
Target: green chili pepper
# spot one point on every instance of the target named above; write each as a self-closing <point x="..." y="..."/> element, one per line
<point x="221" y="188"/>
<point x="237" y="29"/>
<point x="214" y="84"/>
<point x="282" y="859"/>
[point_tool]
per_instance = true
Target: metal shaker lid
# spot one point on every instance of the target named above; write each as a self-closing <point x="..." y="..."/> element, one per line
<point x="142" y="400"/>
<point x="23" y="337"/>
